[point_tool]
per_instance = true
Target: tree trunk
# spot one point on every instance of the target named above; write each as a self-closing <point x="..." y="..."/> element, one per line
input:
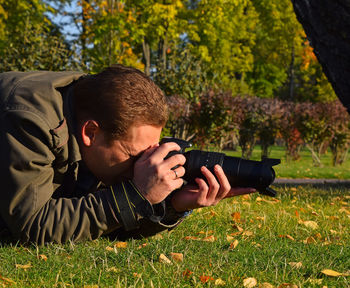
<point x="327" y="26"/>
<point x="146" y="56"/>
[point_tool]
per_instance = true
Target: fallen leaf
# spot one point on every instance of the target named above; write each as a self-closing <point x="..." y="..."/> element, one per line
<point x="258" y="199"/>
<point x="136" y="275"/>
<point x="250" y="282"/>
<point x="210" y="238"/>
<point x="240" y="229"/>
<point x="296" y="265"/>
<point x="236" y="217"/>
<point x="178" y="257"/>
<point x="246" y="203"/>
<point x="158" y="237"/>
<point x="333" y="273"/>
<point x="234" y="244"/>
<point x="42" y="257"/>
<point x="309" y="240"/>
<point x="205" y="278"/>
<point x="7" y="280"/>
<point x="109" y="248"/>
<point x="309" y="224"/>
<point x="90" y="286"/>
<point x="164" y="259"/>
<point x="344" y="210"/>
<point x="260" y="218"/>
<point x="25" y="267"/>
<point x="293" y="189"/>
<point x="191" y="238"/>
<point x="219" y="282"/>
<point x="266" y="285"/>
<point x="246" y="197"/>
<point x="113" y="269"/>
<point x="247" y="233"/>
<point x="142" y="246"/>
<point x="121" y="244"/>
<point x="187" y="274"/>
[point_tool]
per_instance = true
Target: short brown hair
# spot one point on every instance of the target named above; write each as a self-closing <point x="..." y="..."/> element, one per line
<point x="118" y="98"/>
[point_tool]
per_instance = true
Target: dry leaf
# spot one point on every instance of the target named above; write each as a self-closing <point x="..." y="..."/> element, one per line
<point x="178" y="257"/>
<point x="258" y="199"/>
<point x="187" y="274"/>
<point x="210" y="238"/>
<point x="158" y="237"/>
<point x="7" y="280"/>
<point x="287" y="236"/>
<point x="236" y="217"/>
<point x="309" y="240"/>
<point x="333" y="273"/>
<point x="246" y="197"/>
<point x="191" y="238"/>
<point x="90" y="286"/>
<point x="250" y="282"/>
<point x="113" y="269"/>
<point x="344" y="210"/>
<point x="205" y="278"/>
<point x="25" y="267"/>
<point x="219" y="282"/>
<point x="142" y="246"/>
<point x="42" y="257"/>
<point x="316" y="281"/>
<point x="266" y="285"/>
<point x="109" y="248"/>
<point x="234" y="244"/>
<point x="240" y="229"/>
<point x="164" y="259"/>
<point x="248" y="233"/>
<point x="260" y="218"/>
<point x="136" y="275"/>
<point x="121" y="244"/>
<point x="296" y="265"/>
<point x="309" y="224"/>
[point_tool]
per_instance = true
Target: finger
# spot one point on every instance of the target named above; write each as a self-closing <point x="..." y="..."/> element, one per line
<point x="178" y="172"/>
<point x="239" y="191"/>
<point x="148" y="152"/>
<point x="212" y="183"/>
<point x="177" y="183"/>
<point x="203" y="191"/>
<point x="225" y="186"/>
<point x="166" y="148"/>
<point x="174" y="161"/>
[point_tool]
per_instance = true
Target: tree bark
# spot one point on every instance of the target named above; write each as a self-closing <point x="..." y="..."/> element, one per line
<point x="327" y="26"/>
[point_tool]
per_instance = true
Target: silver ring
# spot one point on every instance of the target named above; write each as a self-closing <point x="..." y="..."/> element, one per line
<point x="175" y="174"/>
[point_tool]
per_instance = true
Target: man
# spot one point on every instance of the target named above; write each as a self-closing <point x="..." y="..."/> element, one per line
<point x="80" y="158"/>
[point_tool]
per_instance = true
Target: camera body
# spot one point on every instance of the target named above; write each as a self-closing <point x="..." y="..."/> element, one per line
<point x="240" y="172"/>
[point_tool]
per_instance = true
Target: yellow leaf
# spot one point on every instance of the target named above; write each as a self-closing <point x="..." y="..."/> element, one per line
<point x="234" y="244"/>
<point x="158" y="237"/>
<point x="344" y="210"/>
<point x="210" y="238"/>
<point x="310" y="224"/>
<point x="42" y="257"/>
<point x="240" y="229"/>
<point x="90" y="286"/>
<point x="164" y="259"/>
<point x="25" y="267"/>
<point x="191" y="238"/>
<point x="219" y="282"/>
<point x="178" y="257"/>
<point x="236" y="217"/>
<point x="309" y="240"/>
<point x="121" y="244"/>
<point x="229" y="238"/>
<point x="296" y="265"/>
<point x="113" y="269"/>
<point x="333" y="273"/>
<point x="316" y="281"/>
<point x="288" y="285"/>
<point x="250" y="282"/>
<point x="258" y="199"/>
<point x="109" y="248"/>
<point x="7" y="280"/>
<point x="260" y="218"/>
<point x="247" y="233"/>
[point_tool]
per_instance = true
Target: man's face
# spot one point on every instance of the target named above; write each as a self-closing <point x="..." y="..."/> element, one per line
<point x="113" y="161"/>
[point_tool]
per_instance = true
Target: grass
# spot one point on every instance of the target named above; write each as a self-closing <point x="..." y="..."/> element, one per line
<point x="271" y="234"/>
<point x="302" y="168"/>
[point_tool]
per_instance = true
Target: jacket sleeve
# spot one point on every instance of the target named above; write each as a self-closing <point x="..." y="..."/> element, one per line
<point x="27" y="172"/>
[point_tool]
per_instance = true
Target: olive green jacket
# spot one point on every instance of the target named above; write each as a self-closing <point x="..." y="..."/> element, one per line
<point x="40" y="199"/>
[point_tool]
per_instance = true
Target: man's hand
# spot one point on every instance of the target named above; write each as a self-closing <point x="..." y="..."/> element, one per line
<point x="153" y="175"/>
<point x="203" y="195"/>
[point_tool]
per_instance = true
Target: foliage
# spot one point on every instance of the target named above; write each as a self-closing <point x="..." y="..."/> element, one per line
<point x="29" y="40"/>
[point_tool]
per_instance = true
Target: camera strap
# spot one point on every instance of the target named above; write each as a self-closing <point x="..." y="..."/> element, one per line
<point x="131" y="205"/>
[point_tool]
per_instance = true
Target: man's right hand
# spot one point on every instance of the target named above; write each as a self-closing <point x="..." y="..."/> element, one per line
<point x="154" y="177"/>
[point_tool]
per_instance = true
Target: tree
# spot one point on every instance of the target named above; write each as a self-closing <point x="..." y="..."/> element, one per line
<point x="29" y="40"/>
<point x="326" y="23"/>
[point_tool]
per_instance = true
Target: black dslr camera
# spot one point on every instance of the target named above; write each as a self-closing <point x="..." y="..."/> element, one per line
<point x="239" y="172"/>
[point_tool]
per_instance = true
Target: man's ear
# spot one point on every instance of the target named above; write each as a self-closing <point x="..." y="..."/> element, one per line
<point x="89" y="131"/>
